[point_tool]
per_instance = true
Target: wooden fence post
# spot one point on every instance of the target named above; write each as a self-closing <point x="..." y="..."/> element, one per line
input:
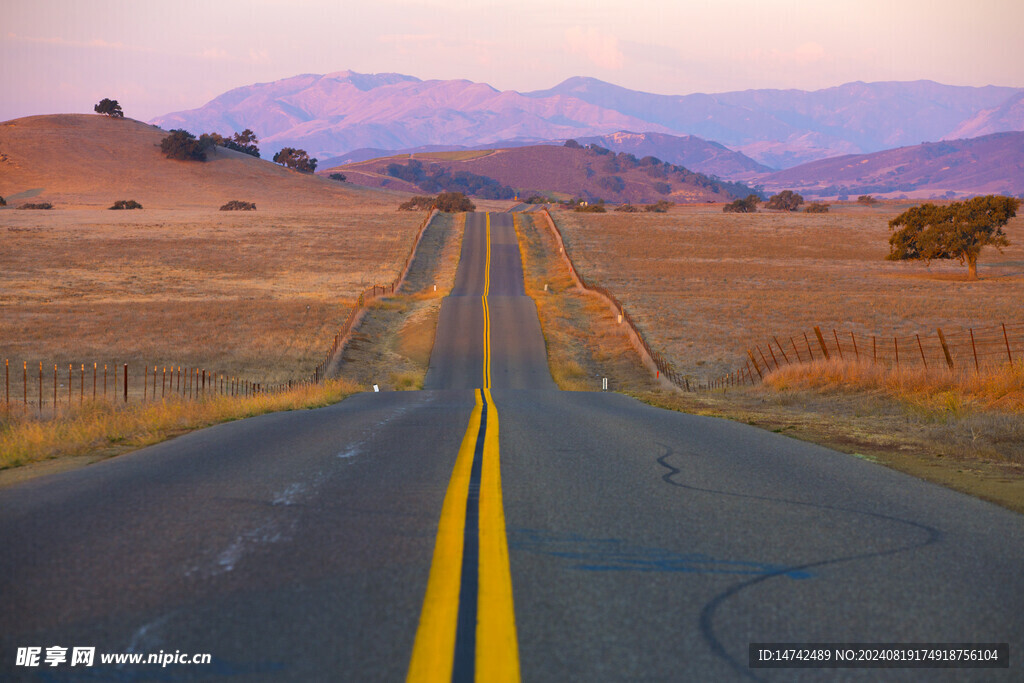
<point x="919" y="346"/>
<point x="945" y="349"/>
<point x="798" y="358"/>
<point x="896" y="345"/>
<point x="838" y="345"/>
<point x="125" y="382"/>
<point x="821" y="341"/>
<point x="40" y="386"/>
<point x="856" y="353"/>
<point x="974" y="349"/>
<point x="69" y="386"/>
<point x="54" y="389"/>
<point x="808" y="342"/>
<point x="754" y="361"/>
<point x="24" y="382"/>
<point x="781" y="350"/>
<point x="774" y="359"/>
<point x="145" y="382"/>
<point x="874" y="350"/>
<point x="761" y="353"/>
<point x="94" y="368"/>
<point x="1007" y="340"/>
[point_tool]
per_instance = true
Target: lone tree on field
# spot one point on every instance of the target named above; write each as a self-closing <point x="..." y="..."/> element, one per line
<point x="959" y="230"/>
<point x="787" y="200"/>
<point x="296" y="159"/>
<point x="109" y="107"/>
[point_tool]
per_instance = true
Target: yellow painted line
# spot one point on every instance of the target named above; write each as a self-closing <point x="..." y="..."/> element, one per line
<point x="497" y="647"/>
<point x="487" y="310"/>
<point x="433" y="653"/>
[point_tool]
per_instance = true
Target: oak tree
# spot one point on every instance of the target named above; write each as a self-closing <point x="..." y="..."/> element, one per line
<point x="959" y="230"/>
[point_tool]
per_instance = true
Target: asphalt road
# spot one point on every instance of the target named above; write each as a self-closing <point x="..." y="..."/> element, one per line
<point x="640" y="544"/>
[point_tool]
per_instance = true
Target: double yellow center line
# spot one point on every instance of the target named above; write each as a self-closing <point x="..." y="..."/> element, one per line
<point x="467" y="628"/>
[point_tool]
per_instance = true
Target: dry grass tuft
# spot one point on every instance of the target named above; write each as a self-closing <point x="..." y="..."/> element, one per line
<point x="996" y="388"/>
<point x="96" y="426"/>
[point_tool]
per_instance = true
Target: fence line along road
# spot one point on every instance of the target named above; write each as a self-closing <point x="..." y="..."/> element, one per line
<point x="972" y="347"/>
<point x="32" y="387"/>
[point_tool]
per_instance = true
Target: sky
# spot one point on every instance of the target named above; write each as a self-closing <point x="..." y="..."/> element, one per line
<point x="59" y="56"/>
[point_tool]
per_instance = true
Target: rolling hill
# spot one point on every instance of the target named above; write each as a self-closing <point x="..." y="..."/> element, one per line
<point x="329" y="115"/>
<point x="83" y="160"/>
<point x="545" y="169"/>
<point x="983" y="165"/>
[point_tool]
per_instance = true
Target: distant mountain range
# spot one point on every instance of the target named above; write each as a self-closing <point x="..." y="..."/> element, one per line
<point x="331" y="115"/>
<point x="990" y="164"/>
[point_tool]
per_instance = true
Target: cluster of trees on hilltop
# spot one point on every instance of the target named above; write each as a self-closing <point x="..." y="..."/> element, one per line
<point x="662" y="171"/>
<point x="439" y="179"/>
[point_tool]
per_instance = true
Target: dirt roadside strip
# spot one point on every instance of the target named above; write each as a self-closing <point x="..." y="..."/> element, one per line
<point x="635" y="337"/>
<point x="352" y="324"/>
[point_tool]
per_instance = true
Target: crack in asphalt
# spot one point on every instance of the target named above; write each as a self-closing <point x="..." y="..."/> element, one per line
<point x="707" y="614"/>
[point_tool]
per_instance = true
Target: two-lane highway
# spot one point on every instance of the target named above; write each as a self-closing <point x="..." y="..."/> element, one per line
<point x="492" y="527"/>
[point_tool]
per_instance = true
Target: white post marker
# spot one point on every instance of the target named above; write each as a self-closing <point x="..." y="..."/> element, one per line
<point x="435" y="288"/>
<point x="376" y="388"/>
<point x="545" y="286"/>
<point x="604" y="384"/>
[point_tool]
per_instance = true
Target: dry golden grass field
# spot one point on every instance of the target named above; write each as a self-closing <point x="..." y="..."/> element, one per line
<point x="254" y="294"/>
<point x="705" y="286"/>
<point x="257" y="294"/>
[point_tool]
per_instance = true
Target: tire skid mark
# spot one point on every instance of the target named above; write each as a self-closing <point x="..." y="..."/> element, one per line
<point x="707" y="615"/>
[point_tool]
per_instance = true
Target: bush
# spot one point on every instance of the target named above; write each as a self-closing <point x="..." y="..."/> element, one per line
<point x="787" y="200"/>
<point x="453" y="202"/>
<point x="109" y="107"/>
<point x="3" y="202"/>
<point x="182" y="145"/>
<point x="867" y="200"/>
<point x="816" y="207"/>
<point x="235" y="205"/>
<point x="340" y="177"/>
<point x="627" y="208"/>
<point x="748" y="205"/>
<point x="537" y="199"/>
<point x="660" y="207"/>
<point x="41" y="205"/>
<point x="572" y="144"/>
<point x="417" y="203"/>
<point x="125" y="204"/>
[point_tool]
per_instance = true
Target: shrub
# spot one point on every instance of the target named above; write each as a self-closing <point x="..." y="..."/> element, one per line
<point x="627" y="208"/>
<point x="787" y="200"/>
<point x="659" y="207"/>
<point x="816" y="207"/>
<point x="125" y="204"/>
<point x="235" y="205"/>
<point x="340" y="177"/>
<point x="109" y="107"/>
<point x="40" y="205"/>
<point x="748" y="205"/>
<point x="3" y="202"/>
<point x="867" y="200"/>
<point x="572" y="144"/>
<point x="417" y="203"/>
<point x="453" y="202"/>
<point x="537" y="199"/>
<point x="182" y="145"/>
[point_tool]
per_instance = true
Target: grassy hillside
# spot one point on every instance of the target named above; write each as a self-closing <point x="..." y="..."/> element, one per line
<point x="591" y="172"/>
<point x="90" y="161"/>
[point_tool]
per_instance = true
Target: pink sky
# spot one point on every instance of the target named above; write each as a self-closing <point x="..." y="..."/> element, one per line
<point x="157" y="57"/>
